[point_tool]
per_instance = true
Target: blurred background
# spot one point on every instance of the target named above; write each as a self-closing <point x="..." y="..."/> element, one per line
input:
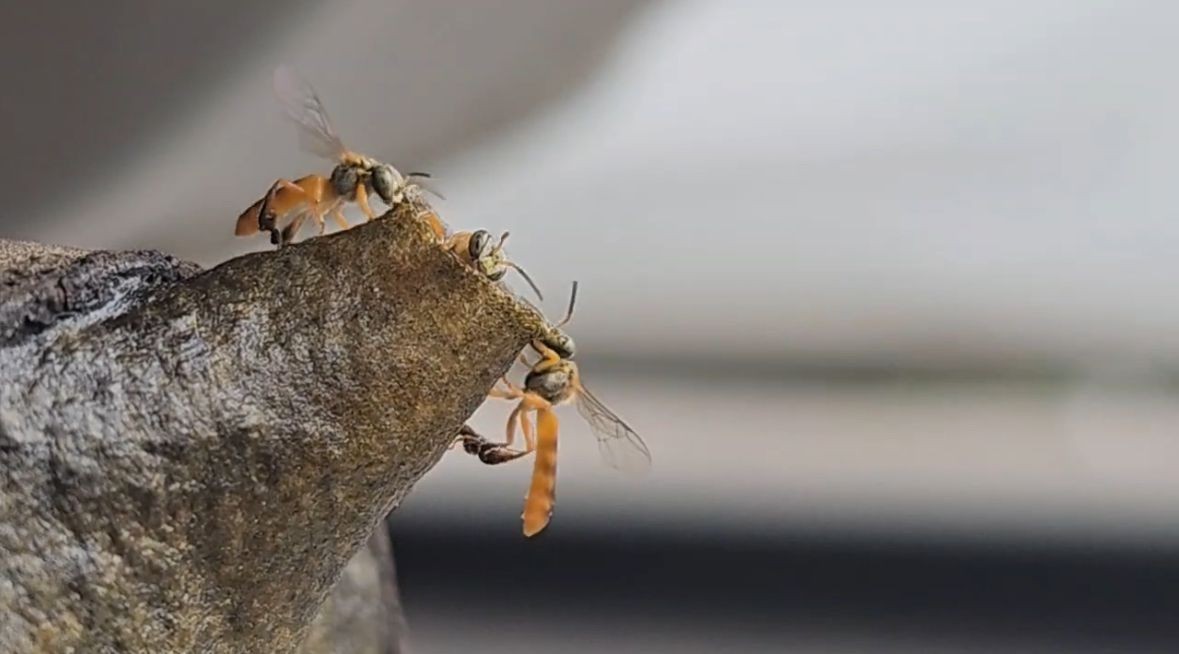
<point x="887" y="287"/>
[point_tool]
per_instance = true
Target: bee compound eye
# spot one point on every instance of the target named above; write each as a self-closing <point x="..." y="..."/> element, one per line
<point x="479" y="243"/>
<point x="383" y="183"/>
<point x="562" y="344"/>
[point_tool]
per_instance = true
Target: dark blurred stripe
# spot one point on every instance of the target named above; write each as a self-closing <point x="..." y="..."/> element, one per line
<point x="1076" y="598"/>
<point x="784" y="368"/>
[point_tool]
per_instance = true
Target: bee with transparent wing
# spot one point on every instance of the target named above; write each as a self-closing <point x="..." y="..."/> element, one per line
<point x="552" y="381"/>
<point x="314" y="197"/>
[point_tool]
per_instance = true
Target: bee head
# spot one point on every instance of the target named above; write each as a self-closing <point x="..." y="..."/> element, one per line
<point x="389" y="184"/>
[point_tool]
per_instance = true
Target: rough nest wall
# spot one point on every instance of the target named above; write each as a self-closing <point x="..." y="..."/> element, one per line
<point x="189" y="458"/>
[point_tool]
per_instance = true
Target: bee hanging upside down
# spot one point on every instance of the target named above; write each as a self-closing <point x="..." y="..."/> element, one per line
<point x="552" y="381"/>
<point x="477" y="250"/>
<point x="315" y="196"/>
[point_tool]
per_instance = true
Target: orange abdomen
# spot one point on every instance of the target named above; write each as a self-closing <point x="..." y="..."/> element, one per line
<point x="311" y="189"/>
<point x="542" y="493"/>
<point x="437" y="225"/>
<point x="247" y="223"/>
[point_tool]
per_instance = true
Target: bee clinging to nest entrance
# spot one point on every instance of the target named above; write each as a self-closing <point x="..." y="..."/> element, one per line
<point x="487" y="257"/>
<point x="314" y="197"/>
<point x="552" y="381"/>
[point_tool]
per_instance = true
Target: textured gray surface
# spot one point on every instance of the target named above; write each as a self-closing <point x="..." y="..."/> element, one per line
<point x="188" y="459"/>
<point x="363" y="615"/>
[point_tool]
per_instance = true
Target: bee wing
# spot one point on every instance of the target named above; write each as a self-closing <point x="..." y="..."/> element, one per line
<point x="620" y="446"/>
<point x="301" y="104"/>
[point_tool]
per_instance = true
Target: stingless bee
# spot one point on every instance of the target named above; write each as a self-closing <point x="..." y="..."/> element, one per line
<point x="552" y="381"/>
<point x="477" y="250"/>
<point x="315" y="196"/>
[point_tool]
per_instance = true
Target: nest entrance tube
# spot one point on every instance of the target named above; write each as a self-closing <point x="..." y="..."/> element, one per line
<point x="189" y="458"/>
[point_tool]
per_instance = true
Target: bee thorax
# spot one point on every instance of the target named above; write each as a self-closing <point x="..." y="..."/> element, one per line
<point x="345" y="178"/>
<point x="553" y="385"/>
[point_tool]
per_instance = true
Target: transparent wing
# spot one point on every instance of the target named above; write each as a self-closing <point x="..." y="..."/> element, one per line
<point x="301" y="104"/>
<point x="620" y="446"/>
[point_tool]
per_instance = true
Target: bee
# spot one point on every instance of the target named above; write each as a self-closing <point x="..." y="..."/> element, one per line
<point x="552" y="381"/>
<point x="477" y="250"/>
<point x="353" y="179"/>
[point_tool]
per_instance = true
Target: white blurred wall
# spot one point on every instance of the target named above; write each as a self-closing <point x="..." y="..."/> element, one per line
<point x="917" y="181"/>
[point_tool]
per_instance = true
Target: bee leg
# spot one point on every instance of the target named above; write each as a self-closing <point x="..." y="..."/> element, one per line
<point x="488" y="452"/>
<point x="464" y="433"/>
<point x="513" y="419"/>
<point x="494" y="454"/>
<point x="321" y="198"/>
<point x="529" y="435"/>
<point x="339" y="216"/>
<point x="512" y="392"/>
<point x="289" y="232"/>
<point x="534" y="403"/>
<point x="266" y="217"/>
<point x="549" y="357"/>
<point x="470" y="439"/>
<point x="362" y="201"/>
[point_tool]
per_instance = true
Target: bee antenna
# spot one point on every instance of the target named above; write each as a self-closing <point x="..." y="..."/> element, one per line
<point x="572" y="301"/>
<point x="528" y="279"/>
<point x="419" y="175"/>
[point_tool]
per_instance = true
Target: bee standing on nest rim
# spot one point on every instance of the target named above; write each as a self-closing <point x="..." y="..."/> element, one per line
<point x="315" y="196"/>
<point x="552" y="381"/>
<point x="477" y="250"/>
